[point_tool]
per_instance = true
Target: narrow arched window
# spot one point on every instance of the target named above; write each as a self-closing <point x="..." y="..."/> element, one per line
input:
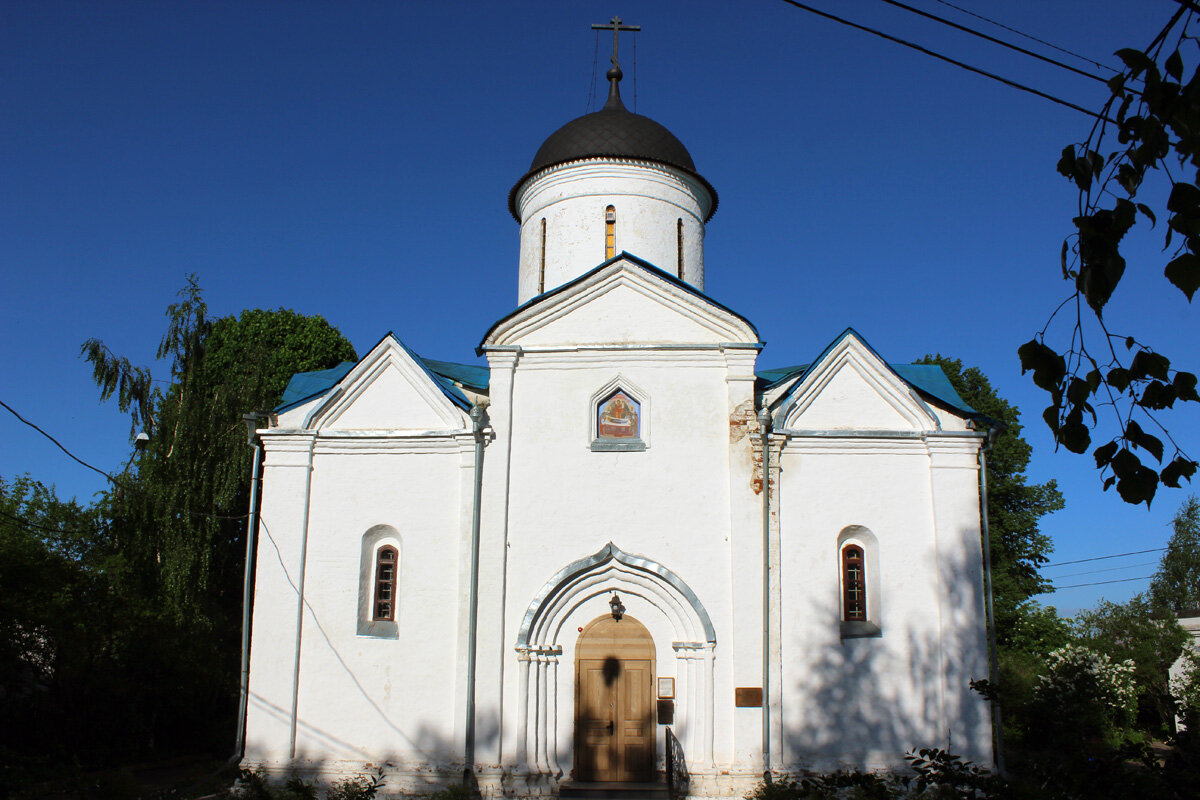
<point x="854" y="584"/>
<point x="679" y="246"/>
<point x="385" y="583"/>
<point x="542" y="266"/>
<point x="610" y="232"/>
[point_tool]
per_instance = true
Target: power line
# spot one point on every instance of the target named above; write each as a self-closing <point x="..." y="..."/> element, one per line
<point x="1101" y="558"/>
<point x="33" y="526"/>
<point x="111" y="479"/>
<point x="1022" y="87"/>
<point x="1098" y="583"/>
<point x="993" y="39"/>
<point x="1026" y="35"/>
<point x="57" y="442"/>
<point x="1106" y="569"/>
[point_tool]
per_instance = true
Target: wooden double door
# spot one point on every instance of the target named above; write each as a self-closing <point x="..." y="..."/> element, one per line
<point x="614" y="701"/>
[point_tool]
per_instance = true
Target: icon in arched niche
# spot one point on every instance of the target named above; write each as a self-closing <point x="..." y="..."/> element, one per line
<point x="618" y="417"/>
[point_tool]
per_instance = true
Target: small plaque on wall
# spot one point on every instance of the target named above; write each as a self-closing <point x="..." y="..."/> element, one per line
<point x="666" y="688"/>
<point x="747" y="697"/>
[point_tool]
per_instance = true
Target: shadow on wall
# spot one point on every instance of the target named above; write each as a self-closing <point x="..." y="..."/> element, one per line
<point x="867" y="701"/>
<point x="427" y="752"/>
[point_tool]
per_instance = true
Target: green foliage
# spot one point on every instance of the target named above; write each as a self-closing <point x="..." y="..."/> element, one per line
<point x="120" y="623"/>
<point x="935" y="775"/>
<point x="454" y="791"/>
<point x="1151" y="638"/>
<point x="1176" y="583"/>
<point x="1084" y="697"/>
<point x="1018" y="547"/>
<point x="182" y="510"/>
<point x="255" y="785"/>
<point x="1154" y="113"/>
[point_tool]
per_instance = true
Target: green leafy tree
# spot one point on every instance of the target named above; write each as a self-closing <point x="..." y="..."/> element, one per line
<point x="1015" y="507"/>
<point x="1149" y="637"/>
<point x="181" y="510"/>
<point x="56" y="634"/>
<point x="1145" y="138"/>
<point x="178" y="514"/>
<point x="1176" y="583"/>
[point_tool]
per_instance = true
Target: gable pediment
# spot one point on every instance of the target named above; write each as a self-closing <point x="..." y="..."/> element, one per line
<point x="387" y="390"/>
<point x="622" y="302"/>
<point x="851" y="388"/>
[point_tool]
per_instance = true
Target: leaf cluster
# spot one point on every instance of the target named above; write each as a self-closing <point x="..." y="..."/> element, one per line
<point x="1154" y="114"/>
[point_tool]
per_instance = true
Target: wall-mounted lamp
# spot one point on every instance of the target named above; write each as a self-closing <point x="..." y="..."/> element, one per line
<point x="618" y="610"/>
<point x="252" y="421"/>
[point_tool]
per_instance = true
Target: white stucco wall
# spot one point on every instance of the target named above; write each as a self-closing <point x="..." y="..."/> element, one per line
<point x="649" y="201"/>
<point x="854" y="447"/>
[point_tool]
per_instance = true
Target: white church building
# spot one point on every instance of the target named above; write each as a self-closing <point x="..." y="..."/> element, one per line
<point x="622" y="548"/>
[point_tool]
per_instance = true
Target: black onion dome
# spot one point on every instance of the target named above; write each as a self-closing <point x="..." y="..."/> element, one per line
<point x="613" y="132"/>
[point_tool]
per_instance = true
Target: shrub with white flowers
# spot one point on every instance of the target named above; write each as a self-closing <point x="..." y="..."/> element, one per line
<point x="1185" y="684"/>
<point x="1081" y="683"/>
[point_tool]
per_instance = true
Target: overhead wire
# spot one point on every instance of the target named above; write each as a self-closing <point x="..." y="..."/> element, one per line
<point x="1106" y="569"/>
<point x="1101" y="558"/>
<point x="993" y="39"/>
<point x="961" y="64"/>
<point x="1097" y="583"/>
<point x="59" y="444"/>
<point x="1031" y="37"/>
<point x="35" y="527"/>
<point x="111" y="478"/>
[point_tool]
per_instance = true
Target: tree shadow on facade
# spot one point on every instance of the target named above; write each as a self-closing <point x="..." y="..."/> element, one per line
<point x="866" y="701"/>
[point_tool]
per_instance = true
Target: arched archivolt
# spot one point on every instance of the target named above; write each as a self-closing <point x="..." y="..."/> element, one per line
<point x="597" y="574"/>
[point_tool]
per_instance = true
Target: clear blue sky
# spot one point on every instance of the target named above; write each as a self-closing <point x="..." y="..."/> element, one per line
<point x="353" y="160"/>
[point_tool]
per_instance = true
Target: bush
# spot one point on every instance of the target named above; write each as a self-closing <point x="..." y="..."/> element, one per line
<point x="937" y="775"/>
<point x="255" y="786"/>
<point x="1084" y="697"/>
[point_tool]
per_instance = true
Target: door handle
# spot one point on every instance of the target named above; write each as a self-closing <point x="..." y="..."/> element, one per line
<point x="610" y="728"/>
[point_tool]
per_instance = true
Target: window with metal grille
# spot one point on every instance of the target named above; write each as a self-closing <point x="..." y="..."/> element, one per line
<point x="854" y="584"/>
<point x="385" y="583"/>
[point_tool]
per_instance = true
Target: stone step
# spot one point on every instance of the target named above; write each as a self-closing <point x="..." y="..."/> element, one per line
<point x="613" y="791"/>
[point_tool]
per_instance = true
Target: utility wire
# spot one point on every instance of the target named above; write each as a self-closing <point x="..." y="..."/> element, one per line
<point x="57" y="442"/>
<point x="33" y="526"/>
<point x="113" y="480"/>
<point x="1106" y="569"/>
<point x="1098" y="583"/>
<point x="1026" y="35"/>
<point x="1022" y="87"/>
<point x="1101" y="558"/>
<point x="993" y="40"/>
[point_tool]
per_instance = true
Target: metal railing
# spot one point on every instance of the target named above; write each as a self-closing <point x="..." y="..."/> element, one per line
<point x="678" y="780"/>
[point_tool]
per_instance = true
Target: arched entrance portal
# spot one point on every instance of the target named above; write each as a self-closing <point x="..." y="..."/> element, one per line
<point x="614" y="701"/>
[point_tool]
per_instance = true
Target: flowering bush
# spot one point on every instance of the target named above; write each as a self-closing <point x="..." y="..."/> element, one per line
<point x="1185" y="686"/>
<point x="1085" y="693"/>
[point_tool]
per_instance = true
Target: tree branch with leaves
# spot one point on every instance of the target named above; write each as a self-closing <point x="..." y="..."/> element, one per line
<point x="1150" y="126"/>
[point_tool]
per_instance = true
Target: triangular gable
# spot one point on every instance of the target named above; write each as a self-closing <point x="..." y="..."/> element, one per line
<point x="850" y="387"/>
<point x="624" y="300"/>
<point x="390" y="388"/>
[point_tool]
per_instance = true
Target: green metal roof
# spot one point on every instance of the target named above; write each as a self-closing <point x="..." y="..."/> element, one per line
<point x="447" y="375"/>
<point x="928" y="379"/>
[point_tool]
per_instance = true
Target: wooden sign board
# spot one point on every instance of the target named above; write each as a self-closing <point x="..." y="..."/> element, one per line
<point x="748" y="697"/>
